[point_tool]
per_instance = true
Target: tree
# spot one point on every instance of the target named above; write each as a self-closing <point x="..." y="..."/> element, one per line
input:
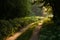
<point x="56" y="8"/>
<point x="10" y="9"/>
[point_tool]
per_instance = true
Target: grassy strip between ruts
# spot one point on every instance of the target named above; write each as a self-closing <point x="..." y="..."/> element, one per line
<point x="27" y="34"/>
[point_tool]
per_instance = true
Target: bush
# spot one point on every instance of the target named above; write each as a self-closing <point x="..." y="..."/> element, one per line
<point x="9" y="27"/>
<point x="6" y="29"/>
<point x="50" y="31"/>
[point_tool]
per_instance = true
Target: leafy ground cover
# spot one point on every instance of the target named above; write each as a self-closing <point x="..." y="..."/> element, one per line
<point x="50" y="31"/>
<point x="9" y="27"/>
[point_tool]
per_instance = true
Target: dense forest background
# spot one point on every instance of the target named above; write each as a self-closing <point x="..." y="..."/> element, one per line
<point x="16" y="14"/>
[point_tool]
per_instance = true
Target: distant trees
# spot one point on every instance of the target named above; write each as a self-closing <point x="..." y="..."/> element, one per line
<point x="56" y="8"/>
<point x="10" y="9"/>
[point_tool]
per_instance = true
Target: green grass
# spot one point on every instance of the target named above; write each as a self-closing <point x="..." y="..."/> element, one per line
<point x="26" y="35"/>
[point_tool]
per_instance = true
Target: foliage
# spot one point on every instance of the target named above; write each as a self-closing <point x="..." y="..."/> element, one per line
<point x="9" y="27"/>
<point x="14" y="8"/>
<point x="55" y="7"/>
<point x="50" y="31"/>
<point x="6" y="29"/>
<point x="27" y="34"/>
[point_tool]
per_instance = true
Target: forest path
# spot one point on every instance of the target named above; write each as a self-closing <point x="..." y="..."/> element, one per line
<point x="35" y="34"/>
<point x="36" y="31"/>
<point x="16" y="35"/>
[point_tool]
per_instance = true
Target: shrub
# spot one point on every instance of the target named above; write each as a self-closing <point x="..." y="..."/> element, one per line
<point x="49" y="31"/>
<point x="9" y="27"/>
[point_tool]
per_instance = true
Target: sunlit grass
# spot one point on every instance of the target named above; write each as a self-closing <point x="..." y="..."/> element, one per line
<point x="37" y="21"/>
<point x="26" y="35"/>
